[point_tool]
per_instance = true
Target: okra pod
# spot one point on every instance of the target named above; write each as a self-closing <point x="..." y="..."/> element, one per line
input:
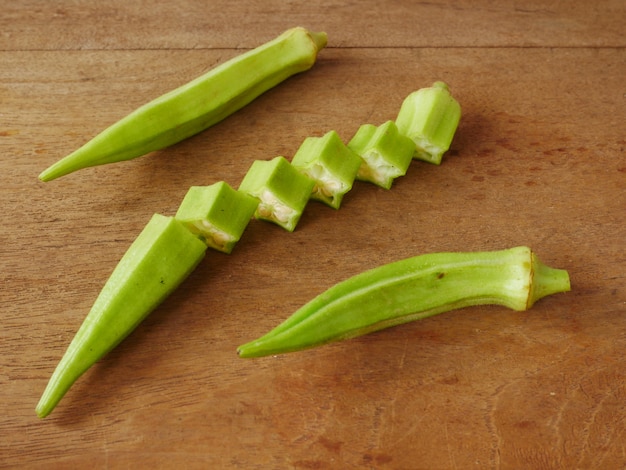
<point x="159" y="259"/>
<point x="413" y="289"/>
<point x="197" y="105"/>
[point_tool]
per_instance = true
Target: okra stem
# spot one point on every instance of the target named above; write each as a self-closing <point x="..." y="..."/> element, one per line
<point x="413" y="289"/>
<point x="197" y="105"/>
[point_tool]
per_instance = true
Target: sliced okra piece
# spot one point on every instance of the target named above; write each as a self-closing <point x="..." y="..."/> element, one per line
<point x="429" y="117"/>
<point x="159" y="259"/>
<point x="217" y="214"/>
<point x="331" y="164"/>
<point x="385" y="153"/>
<point x="282" y="191"/>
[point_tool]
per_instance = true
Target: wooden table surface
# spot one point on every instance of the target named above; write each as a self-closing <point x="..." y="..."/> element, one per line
<point x="538" y="160"/>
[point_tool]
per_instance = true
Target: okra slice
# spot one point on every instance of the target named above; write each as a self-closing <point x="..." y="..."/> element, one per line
<point x="282" y="191"/>
<point x="217" y="214"/>
<point x="385" y="153"/>
<point x="331" y="164"/>
<point x="429" y="117"/>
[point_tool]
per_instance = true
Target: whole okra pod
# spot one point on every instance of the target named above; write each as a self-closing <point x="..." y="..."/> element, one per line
<point x="197" y="105"/>
<point x="413" y="289"/>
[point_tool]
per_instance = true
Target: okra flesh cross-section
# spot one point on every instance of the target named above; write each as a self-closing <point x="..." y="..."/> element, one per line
<point x="386" y="154"/>
<point x="159" y="259"/>
<point x="331" y="164"/>
<point x="429" y="117"/>
<point x="217" y="214"/>
<point x="413" y="289"/>
<point x="283" y="192"/>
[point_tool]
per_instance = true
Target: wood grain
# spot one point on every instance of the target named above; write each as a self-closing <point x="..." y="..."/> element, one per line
<point x="191" y="24"/>
<point x="538" y="159"/>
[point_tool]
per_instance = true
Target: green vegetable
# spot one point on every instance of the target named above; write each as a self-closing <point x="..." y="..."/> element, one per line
<point x="413" y="289"/>
<point x="282" y="190"/>
<point x="429" y="117"/>
<point x="161" y="257"/>
<point x="328" y="162"/>
<point x="169" y="248"/>
<point x="385" y="153"/>
<point x="198" y="104"/>
<point x="217" y="214"/>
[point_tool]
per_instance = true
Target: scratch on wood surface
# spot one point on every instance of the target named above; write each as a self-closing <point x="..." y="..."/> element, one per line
<point x="392" y="412"/>
<point x="492" y="427"/>
<point x="377" y="427"/>
<point x="405" y="347"/>
<point x="591" y="454"/>
<point x="449" y="448"/>
<point x="408" y="434"/>
<point x="556" y="424"/>
<point x="587" y="427"/>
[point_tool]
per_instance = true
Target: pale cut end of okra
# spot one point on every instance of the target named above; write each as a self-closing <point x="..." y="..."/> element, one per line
<point x="385" y="153"/>
<point x="217" y="214"/>
<point x="283" y="192"/>
<point x="430" y="117"/>
<point x="331" y="164"/>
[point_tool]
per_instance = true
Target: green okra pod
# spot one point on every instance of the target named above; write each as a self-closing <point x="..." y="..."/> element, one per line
<point x="161" y="257"/>
<point x="413" y="289"/>
<point x="197" y="105"/>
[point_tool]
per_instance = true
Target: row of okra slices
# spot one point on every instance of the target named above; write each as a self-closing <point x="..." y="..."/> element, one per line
<point x="323" y="169"/>
<point x="169" y="248"/>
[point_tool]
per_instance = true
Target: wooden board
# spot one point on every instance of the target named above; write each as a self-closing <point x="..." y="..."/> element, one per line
<point x="538" y="160"/>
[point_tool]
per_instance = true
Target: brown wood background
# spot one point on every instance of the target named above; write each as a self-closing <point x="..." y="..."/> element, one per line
<point x="538" y="159"/>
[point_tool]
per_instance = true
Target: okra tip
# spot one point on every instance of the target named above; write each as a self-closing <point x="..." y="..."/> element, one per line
<point x="73" y="162"/>
<point x="441" y="85"/>
<point x="52" y="172"/>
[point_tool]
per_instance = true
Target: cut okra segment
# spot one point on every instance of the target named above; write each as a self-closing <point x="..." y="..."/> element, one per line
<point x="217" y="214"/>
<point x="156" y="263"/>
<point x="384" y="152"/>
<point x="282" y="191"/>
<point x="429" y="117"/>
<point x="331" y="164"/>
